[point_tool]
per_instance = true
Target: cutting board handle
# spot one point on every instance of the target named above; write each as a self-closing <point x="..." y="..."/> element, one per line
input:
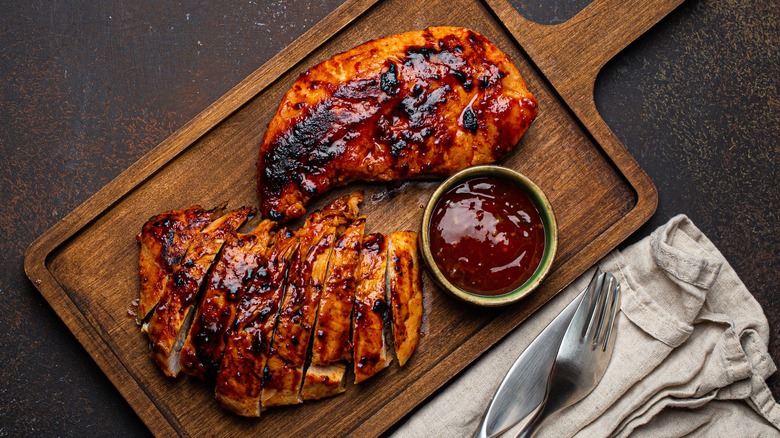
<point x="572" y="53"/>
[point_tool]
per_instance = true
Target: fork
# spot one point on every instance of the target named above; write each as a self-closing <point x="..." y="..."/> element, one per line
<point x="585" y="351"/>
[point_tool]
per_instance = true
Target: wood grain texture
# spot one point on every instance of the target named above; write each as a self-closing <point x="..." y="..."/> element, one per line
<point x="569" y="152"/>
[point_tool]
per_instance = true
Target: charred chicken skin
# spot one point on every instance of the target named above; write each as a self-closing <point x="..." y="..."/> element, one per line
<point x="370" y="309"/>
<point x="331" y="341"/>
<point x="423" y="103"/>
<point x="275" y="317"/>
<point x="240" y="377"/>
<point x="169" y="324"/>
<point x="242" y="256"/>
<point x="331" y="346"/>
<point x="405" y="291"/>
<point x="284" y="370"/>
<point x="164" y="240"/>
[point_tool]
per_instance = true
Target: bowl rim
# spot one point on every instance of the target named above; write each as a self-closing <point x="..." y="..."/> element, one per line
<point x="545" y="212"/>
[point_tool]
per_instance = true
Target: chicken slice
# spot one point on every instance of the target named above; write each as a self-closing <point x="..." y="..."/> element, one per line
<point x="284" y="369"/>
<point x="370" y="309"/>
<point x="241" y="257"/>
<point x="331" y="342"/>
<point x="285" y="366"/>
<point x="167" y="327"/>
<point x="240" y="376"/>
<point x="164" y="240"/>
<point x="324" y="380"/>
<point x="418" y="104"/>
<point x="405" y="291"/>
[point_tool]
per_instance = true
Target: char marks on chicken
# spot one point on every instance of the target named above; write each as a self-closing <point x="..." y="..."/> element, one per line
<point x="419" y="104"/>
<point x="240" y="377"/>
<point x="168" y="325"/>
<point x="164" y="240"/>
<point x="370" y="309"/>
<point x="331" y="346"/>
<point x="405" y="291"/>
<point x="282" y="314"/>
<point x="284" y="369"/>
<point x="241" y="257"/>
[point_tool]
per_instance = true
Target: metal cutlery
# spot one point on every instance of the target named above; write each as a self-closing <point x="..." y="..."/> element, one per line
<point x="523" y="390"/>
<point x="585" y="350"/>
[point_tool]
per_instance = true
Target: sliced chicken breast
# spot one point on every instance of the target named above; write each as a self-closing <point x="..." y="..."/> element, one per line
<point x="240" y="376"/>
<point x="168" y="325"/>
<point x="331" y="345"/>
<point x="164" y="240"/>
<point x="405" y="290"/>
<point x="370" y="309"/>
<point x="285" y="366"/>
<point x="241" y="257"/>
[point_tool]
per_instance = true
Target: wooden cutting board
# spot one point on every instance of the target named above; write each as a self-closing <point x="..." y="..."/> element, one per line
<point x="86" y="265"/>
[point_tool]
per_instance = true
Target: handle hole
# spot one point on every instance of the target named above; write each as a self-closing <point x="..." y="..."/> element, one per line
<point x="549" y="12"/>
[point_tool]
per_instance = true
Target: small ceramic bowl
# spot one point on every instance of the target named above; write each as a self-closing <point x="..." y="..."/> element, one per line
<point x="548" y="220"/>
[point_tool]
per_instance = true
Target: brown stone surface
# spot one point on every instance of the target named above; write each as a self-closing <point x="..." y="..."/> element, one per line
<point x="89" y="87"/>
<point x="697" y="101"/>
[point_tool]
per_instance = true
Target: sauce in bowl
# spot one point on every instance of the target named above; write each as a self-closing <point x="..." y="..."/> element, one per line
<point x="486" y="236"/>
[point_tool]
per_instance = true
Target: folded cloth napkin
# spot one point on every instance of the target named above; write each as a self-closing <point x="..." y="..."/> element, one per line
<point x="690" y="354"/>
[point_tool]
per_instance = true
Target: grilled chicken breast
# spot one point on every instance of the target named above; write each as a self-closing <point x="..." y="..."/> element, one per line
<point x="370" y="309"/>
<point x="331" y="346"/>
<point x="240" y="376"/>
<point x="423" y="103"/>
<point x="164" y="240"/>
<point x="264" y="294"/>
<point x="405" y="291"/>
<point x="167" y="327"/>
<point x="241" y="257"/>
<point x="284" y="369"/>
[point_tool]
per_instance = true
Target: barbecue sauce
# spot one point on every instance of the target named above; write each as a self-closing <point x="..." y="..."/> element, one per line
<point x="487" y="236"/>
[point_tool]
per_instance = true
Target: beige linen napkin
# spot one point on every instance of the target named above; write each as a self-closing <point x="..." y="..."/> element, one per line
<point x="690" y="354"/>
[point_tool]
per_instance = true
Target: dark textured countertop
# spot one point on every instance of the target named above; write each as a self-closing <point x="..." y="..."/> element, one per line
<point x="89" y="87"/>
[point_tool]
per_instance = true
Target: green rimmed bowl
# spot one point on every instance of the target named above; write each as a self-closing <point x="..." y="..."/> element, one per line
<point x="545" y="212"/>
